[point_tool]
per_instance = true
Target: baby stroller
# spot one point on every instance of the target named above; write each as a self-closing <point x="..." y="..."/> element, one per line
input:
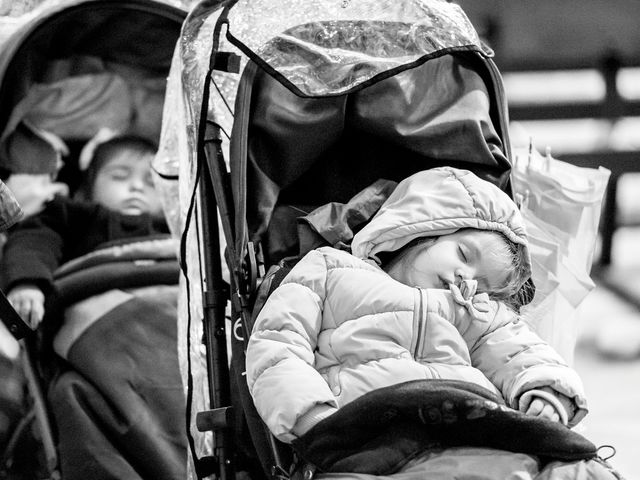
<point x="70" y="68"/>
<point x="309" y="102"/>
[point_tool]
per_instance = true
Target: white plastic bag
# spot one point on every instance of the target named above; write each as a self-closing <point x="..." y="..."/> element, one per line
<point x="561" y="205"/>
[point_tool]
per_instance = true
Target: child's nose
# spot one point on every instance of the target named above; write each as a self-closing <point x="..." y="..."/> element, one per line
<point x="136" y="184"/>
<point x="464" y="273"/>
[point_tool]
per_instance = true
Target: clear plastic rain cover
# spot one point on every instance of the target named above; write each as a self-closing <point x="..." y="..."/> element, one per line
<point x="329" y="47"/>
<point x="315" y="47"/>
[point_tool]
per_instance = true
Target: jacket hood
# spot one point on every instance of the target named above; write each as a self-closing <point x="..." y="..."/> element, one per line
<point x="438" y="202"/>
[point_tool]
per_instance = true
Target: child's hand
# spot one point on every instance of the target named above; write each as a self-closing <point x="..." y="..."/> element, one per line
<point x="33" y="191"/>
<point x="542" y="408"/>
<point x="545" y="402"/>
<point x="28" y="300"/>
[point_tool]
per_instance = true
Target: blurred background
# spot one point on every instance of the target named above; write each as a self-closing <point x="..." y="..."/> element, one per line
<point x="572" y="77"/>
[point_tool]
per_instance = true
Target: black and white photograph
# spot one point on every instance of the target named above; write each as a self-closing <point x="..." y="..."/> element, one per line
<point x="319" y="240"/>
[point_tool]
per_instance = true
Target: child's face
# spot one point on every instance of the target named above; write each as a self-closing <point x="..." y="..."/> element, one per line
<point x="465" y="254"/>
<point x="124" y="184"/>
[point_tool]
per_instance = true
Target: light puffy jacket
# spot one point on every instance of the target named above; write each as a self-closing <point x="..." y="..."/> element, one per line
<point x="338" y="326"/>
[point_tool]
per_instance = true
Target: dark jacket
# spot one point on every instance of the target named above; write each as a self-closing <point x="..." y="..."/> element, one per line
<point x="64" y="230"/>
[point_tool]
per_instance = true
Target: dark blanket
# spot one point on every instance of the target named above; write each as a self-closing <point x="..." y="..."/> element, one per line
<point x="120" y="412"/>
<point x="381" y="431"/>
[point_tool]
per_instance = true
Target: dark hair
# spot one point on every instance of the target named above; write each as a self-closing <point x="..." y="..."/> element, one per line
<point x="519" y="289"/>
<point x="105" y="151"/>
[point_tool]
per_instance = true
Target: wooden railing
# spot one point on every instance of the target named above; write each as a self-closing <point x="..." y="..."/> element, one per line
<point x="612" y="107"/>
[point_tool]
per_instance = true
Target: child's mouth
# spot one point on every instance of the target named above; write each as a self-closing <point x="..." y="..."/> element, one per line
<point x="134" y="204"/>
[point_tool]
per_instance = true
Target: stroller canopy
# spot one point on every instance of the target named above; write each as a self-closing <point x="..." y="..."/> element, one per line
<point x="315" y="48"/>
<point x="56" y="60"/>
<point x="325" y="48"/>
<point x="315" y="129"/>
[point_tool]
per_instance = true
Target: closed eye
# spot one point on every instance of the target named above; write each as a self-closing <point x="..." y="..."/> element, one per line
<point x="462" y="254"/>
<point x="118" y="173"/>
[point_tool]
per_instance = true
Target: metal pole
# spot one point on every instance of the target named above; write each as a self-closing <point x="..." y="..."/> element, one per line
<point x="214" y="297"/>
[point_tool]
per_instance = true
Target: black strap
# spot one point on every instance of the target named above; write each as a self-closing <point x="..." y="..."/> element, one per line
<point x="14" y="323"/>
<point x="238" y="152"/>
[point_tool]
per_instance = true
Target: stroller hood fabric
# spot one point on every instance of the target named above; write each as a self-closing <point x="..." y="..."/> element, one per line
<point x="438" y="202"/>
<point x="69" y="67"/>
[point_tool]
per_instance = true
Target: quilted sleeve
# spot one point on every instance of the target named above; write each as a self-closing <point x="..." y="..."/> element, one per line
<point x="517" y="360"/>
<point x="283" y="382"/>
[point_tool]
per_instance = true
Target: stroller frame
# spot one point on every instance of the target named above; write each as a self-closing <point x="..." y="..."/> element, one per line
<point x="38" y="412"/>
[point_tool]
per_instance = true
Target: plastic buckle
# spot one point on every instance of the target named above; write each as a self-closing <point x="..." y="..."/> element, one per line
<point x="226" y="62"/>
<point x="253" y="268"/>
<point x="14" y="322"/>
<point x="308" y="471"/>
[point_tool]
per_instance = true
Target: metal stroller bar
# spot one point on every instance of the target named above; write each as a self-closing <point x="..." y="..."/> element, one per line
<point x="41" y="414"/>
<point x="214" y="191"/>
<point x="215" y="291"/>
<point x="37" y="414"/>
<point x="214" y="299"/>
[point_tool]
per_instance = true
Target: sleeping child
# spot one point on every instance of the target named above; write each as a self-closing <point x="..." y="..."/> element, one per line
<point x="430" y="290"/>
<point x="118" y="201"/>
<point x="117" y="399"/>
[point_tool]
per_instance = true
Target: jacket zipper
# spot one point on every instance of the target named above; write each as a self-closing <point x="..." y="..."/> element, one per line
<point x="420" y="324"/>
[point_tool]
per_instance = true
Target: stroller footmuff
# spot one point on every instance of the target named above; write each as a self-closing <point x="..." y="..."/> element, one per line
<point x="123" y="394"/>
